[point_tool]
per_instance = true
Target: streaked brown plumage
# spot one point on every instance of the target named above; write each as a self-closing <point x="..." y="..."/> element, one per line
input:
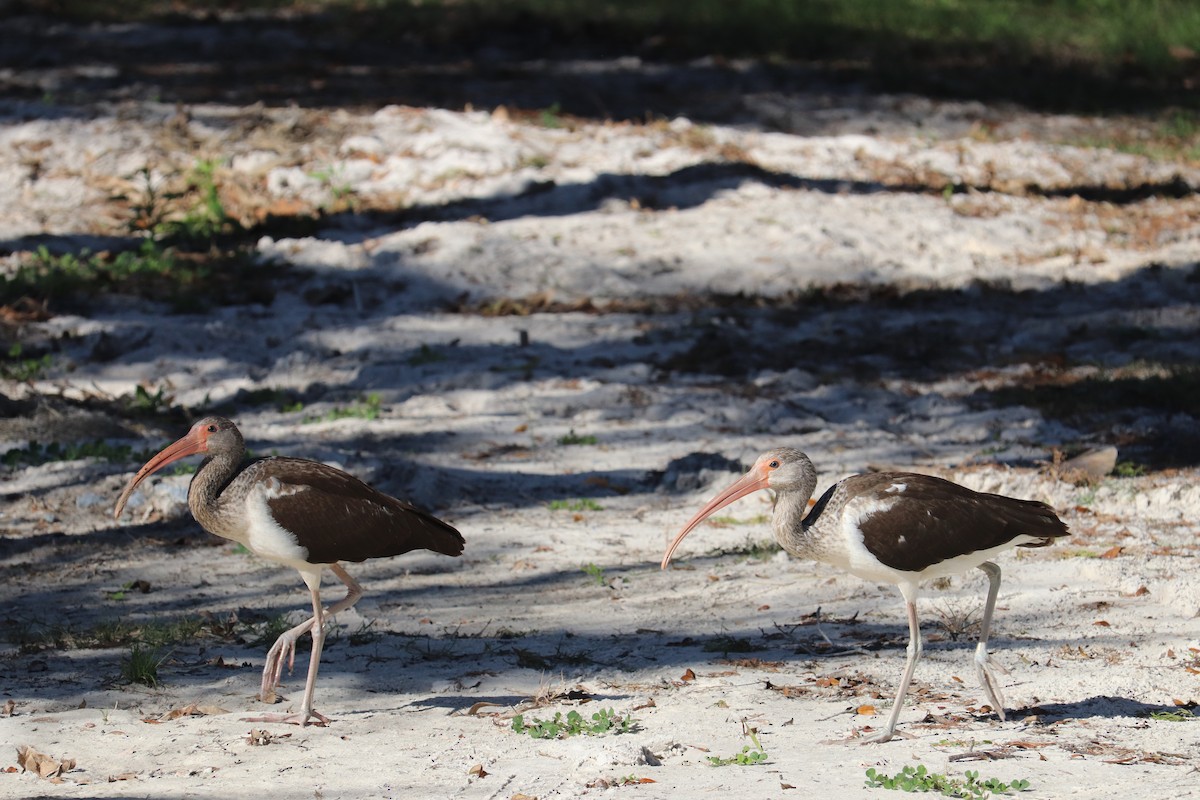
<point x="898" y="527"/>
<point x="300" y="513"/>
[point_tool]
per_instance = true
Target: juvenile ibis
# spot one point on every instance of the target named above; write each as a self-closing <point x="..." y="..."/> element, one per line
<point x="894" y="527"/>
<point x="302" y="514"/>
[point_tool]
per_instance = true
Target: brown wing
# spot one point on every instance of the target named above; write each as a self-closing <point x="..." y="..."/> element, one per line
<point x="337" y="517"/>
<point x="933" y="520"/>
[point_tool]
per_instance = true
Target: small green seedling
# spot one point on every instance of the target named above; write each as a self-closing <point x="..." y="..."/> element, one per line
<point x="596" y="572"/>
<point x="749" y="756"/>
<point x="573" y="724"/>
<point x="920" y="779"/>
<point x="573" y="438"/>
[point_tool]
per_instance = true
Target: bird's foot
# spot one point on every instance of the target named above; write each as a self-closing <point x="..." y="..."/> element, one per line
<point x="283" y="650"/>
<point x="885" y="735"/>
<point x="985" y="670"/>
<point x="302" y="719"/>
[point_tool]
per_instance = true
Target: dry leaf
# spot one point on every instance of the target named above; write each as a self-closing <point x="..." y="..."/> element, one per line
<point x="520" y="796"/>
<point x="865" y="710"/>
<point x="259" y="738"/>
<point x="9" y="708"/>
<point x="764" y="608"/>
<point x="1103" y="623"/>
<point x="478" y="771"/>
<point x="45" y="766"/>
<point x="190" y="710"/>
<point x="688" y="675"/>
<point x="474" y="710"/>
<point x="1112" y="552"/>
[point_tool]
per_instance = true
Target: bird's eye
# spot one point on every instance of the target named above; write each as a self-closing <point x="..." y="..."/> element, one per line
<point x="774" y="464"/>
<point x="212" y="428"/>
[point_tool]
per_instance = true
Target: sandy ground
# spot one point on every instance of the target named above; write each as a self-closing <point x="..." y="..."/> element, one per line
<point x="888" y="323"/>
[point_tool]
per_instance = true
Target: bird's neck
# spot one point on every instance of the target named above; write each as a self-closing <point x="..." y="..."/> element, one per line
<point x="788" y="519"/>
<point x="206" y="493"/>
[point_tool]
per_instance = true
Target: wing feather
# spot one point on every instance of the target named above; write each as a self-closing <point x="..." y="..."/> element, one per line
<point x="337" y="517"/>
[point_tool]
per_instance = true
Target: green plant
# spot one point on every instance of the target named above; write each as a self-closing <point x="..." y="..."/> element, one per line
<point x="207" y="217"/>
<point x="920" y="779"/>
<point x="23" y="369"/>
<point x="146" y="403"/>
<point x="1178" y="715"/>
<point x="574" y="724"/>
<point x="748" y="757"/>
<point x="551" y="117"/>
<point x="573" y="439"/>
<point x="1128" y="469"/>
<point x="141" y="666"/>
<point x="729" y="644"/>
<point x="36" y="453"/>
<point x="583" y="504"/>
<point x="340" y="190"/>
<point x="367" y="407"/>
<point x="265" y="633"/>
<point x="425" y="355"/>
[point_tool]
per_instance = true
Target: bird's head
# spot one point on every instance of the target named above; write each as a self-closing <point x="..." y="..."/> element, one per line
<point x="209" y="435"/>
<point x="783" y="469"/>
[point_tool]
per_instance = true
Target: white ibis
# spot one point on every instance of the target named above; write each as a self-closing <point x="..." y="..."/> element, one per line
<point x="302" y="514"/>
<point x="894" y="527"/>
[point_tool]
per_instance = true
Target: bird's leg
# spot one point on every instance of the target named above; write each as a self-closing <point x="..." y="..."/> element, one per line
<point x="983" y="663"/>
<point x="284" y="648"/>
<point x="914" y="655"/>
<point x="317" y="627"/>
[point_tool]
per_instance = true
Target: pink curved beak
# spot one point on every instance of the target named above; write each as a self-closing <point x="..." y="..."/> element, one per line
<point x="194" y="442"/>
<point x="757" y="478"/>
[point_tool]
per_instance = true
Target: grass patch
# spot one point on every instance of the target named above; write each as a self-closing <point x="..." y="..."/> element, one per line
<point x="583" y="504"/>
<point x="1162" y="387"/>
<point x="33" y="637"/>
<point x="141" y="665"/>
<point x="17" y="368"/>
<point x="1143" y="36"/>
<point x="425" y="355"/>
<point x="367" y="407"/>
<point x="572" y="439"/>
<point x="36" y="453"/>
<point x="1179" y="715"/>
<point x="729" y="644"/>
<point x="920" y="779"/>
<point x="46" y="276"/>
<point x="561" y="656"/>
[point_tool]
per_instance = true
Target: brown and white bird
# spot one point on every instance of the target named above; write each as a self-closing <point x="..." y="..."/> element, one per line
<point x="301" y="514"/>
<point x="895" y="527"/>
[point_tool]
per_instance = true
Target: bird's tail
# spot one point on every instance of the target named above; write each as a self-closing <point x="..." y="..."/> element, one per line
<point x="440" y="537"/>
<point x="1035" y="518"/>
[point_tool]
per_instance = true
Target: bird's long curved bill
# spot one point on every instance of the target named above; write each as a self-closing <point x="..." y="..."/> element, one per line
<point x="752" y="481"/>
<point x="187" y="446"/>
